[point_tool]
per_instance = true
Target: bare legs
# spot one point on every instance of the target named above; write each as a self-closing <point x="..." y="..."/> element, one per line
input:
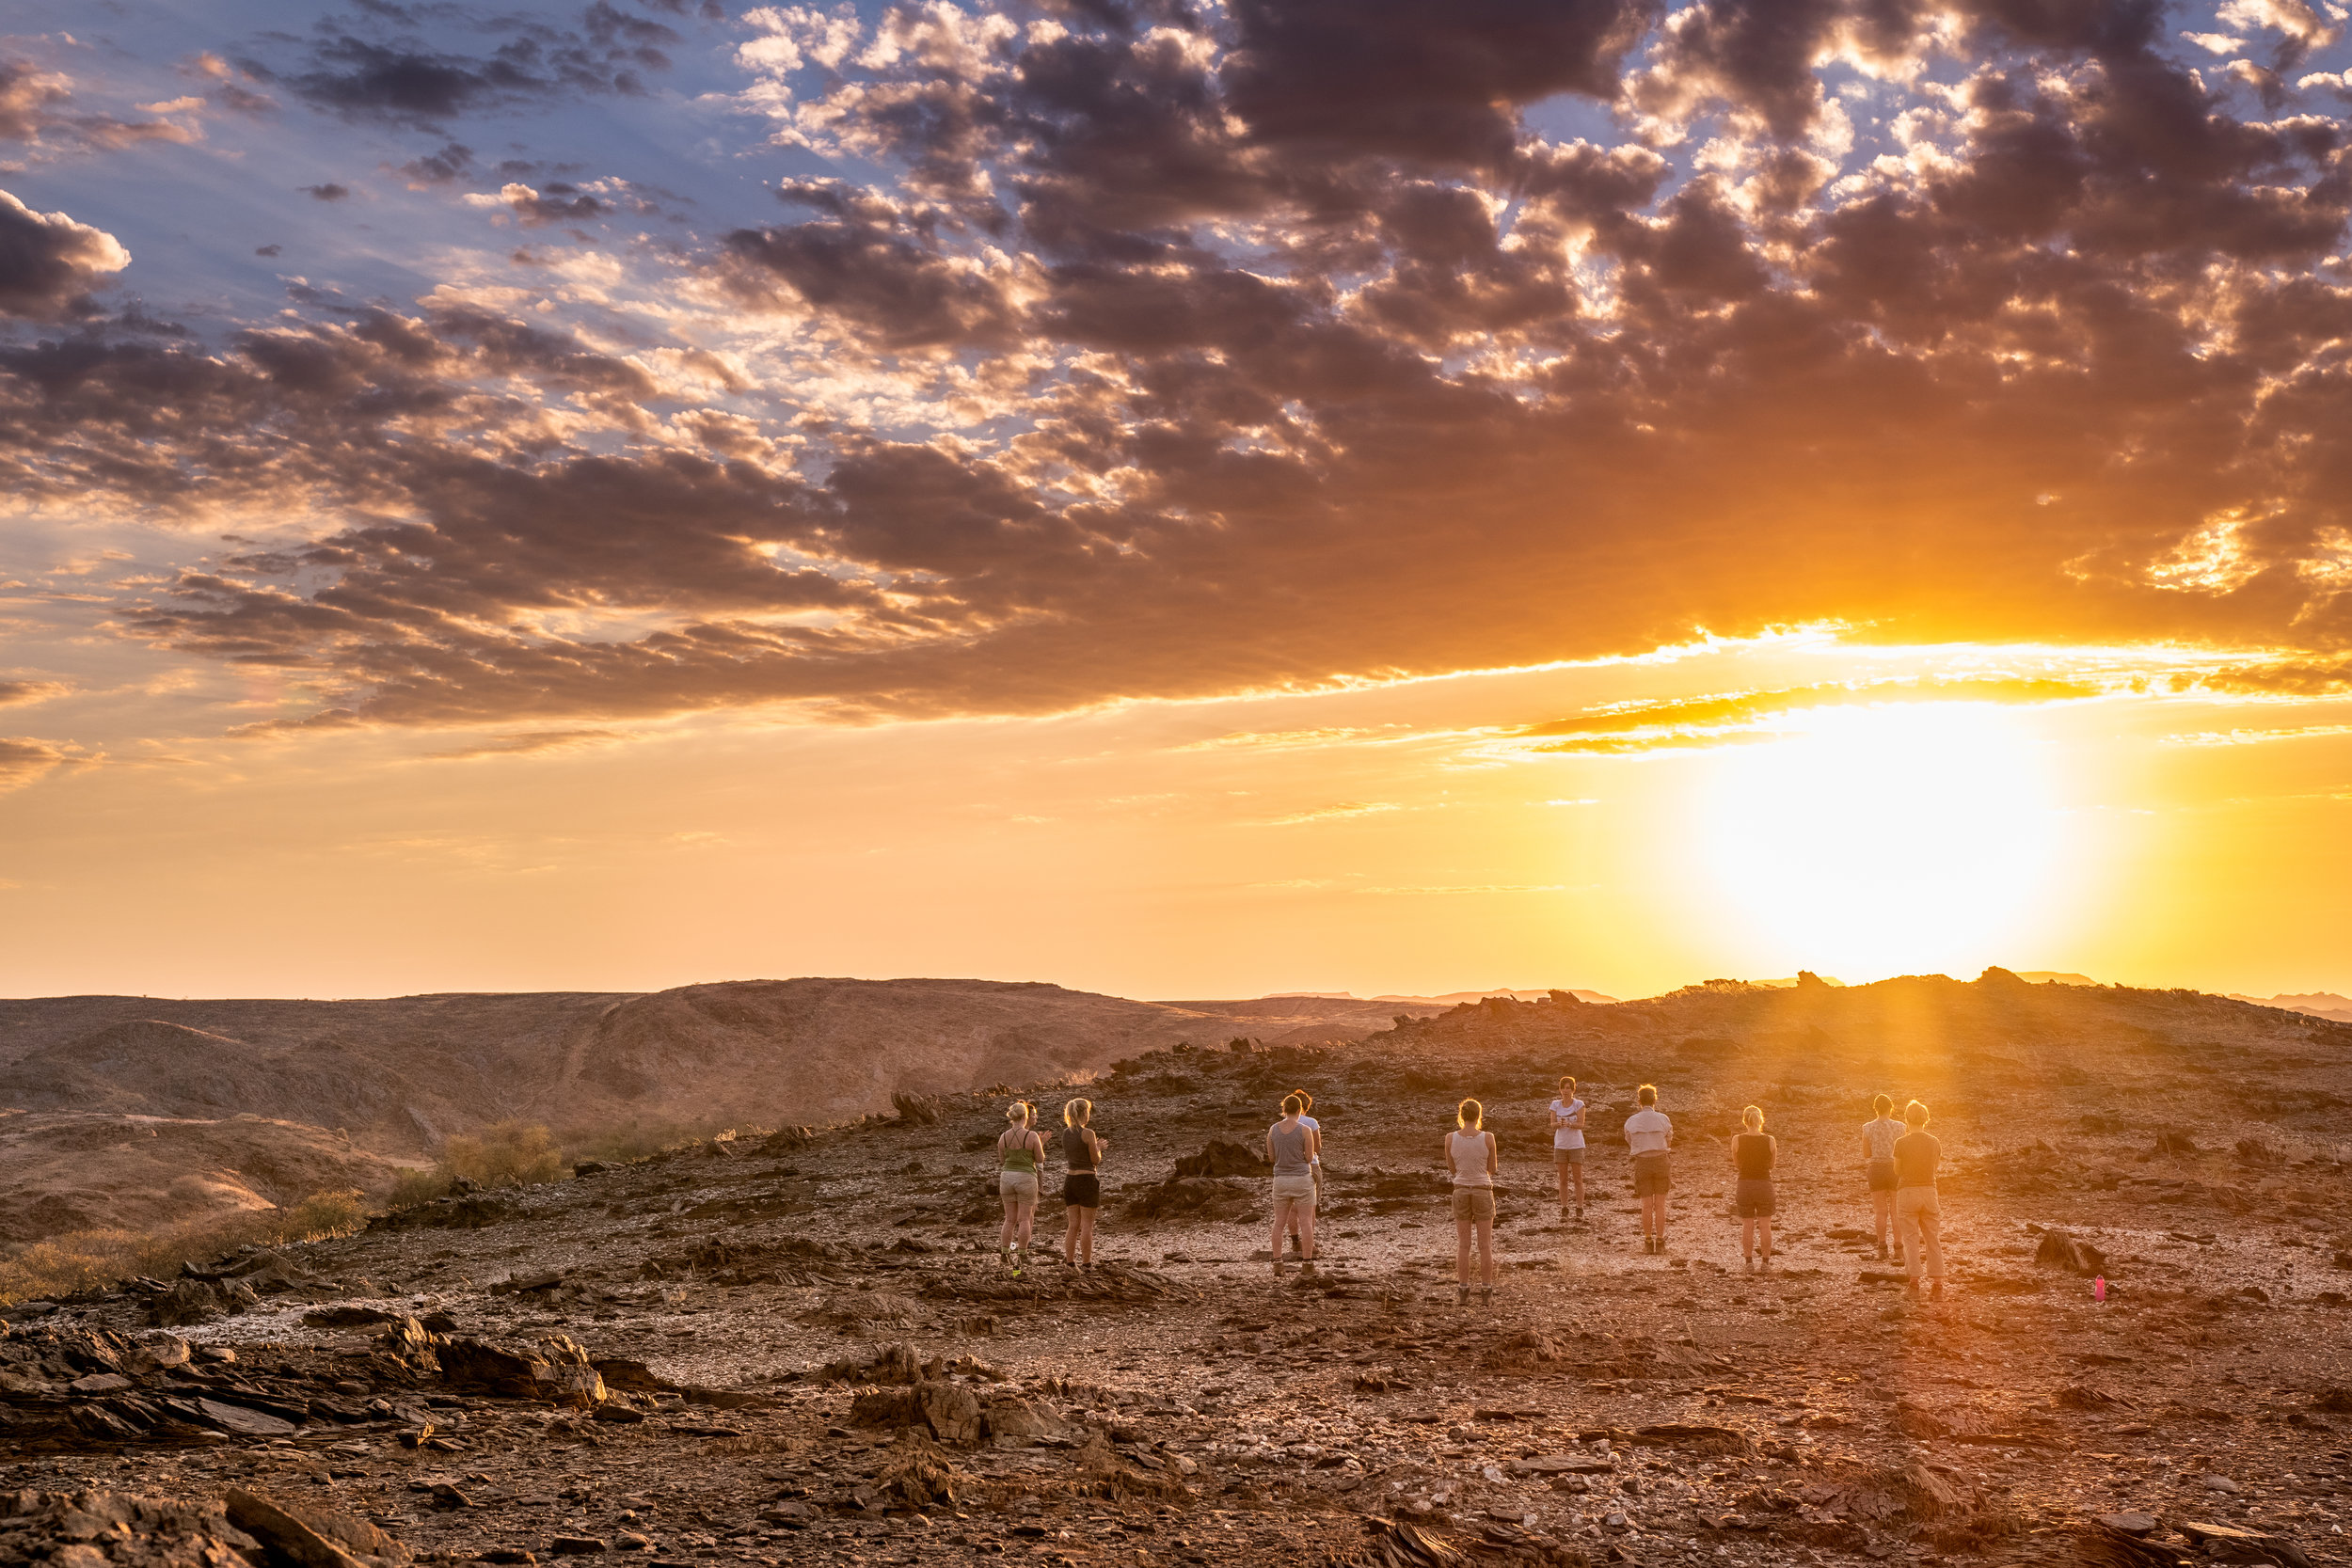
<point x="1654" y="1220"/>
<point x="1020" y="1213"/>
<point x="1883" y="1211"/>
<point x="1749" y="1230"/>
<point x="1465" y="1230"/>
<point x="1287" y="1211"/>
<point x="1571" y="1175"/>
<point x="1077" y="1240"/>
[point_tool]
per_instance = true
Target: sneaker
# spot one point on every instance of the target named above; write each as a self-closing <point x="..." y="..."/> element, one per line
<point x="1935" y="1291"/>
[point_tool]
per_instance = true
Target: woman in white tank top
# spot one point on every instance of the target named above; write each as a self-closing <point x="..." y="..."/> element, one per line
<point x="1471" y="1160"/>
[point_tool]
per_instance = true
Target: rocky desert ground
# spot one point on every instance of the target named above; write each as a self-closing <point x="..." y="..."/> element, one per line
<point x="801" y="1347"/>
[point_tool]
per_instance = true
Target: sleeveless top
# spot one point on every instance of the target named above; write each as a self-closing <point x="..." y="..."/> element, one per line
<point x="1019" y="1157"/>
<point x="1077" y="1148"/>
<point x="1290" y="1149"/>
<point x="1470" y="1158"/>
<point x="1753" y="1152"/>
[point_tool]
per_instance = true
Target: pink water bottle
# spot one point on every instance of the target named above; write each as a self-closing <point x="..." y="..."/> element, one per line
<point x="2099" y="1289"/>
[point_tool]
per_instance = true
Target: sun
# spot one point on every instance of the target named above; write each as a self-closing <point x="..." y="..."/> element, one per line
<point x="1896" y="839"/>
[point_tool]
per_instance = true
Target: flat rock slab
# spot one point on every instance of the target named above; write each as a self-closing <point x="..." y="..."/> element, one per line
<point x="1562" y="1465"/>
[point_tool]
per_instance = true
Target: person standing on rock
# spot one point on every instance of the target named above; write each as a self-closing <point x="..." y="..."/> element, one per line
<point x="1082" y="1188"/>
<point x="1917" y="1215"/>
<point x="1648" y="1136"/>
<point x="1315" y="1205"/>
<point x="1751" y="1155"/>
<point x="1878" y="1160"/>
<point x="1472" y="1161"/>
<point x="1291" y="1147"/>
<point x="1020" y="1155"/>
<point x="1568" y="1146"/>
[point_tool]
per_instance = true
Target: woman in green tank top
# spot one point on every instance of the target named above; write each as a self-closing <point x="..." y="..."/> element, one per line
<point x="1020" y="1155"/>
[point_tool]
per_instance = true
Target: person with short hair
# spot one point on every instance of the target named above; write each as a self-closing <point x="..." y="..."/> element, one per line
<point x="1648" y="1136"/>
<point x="1290" y="1148"/>
<point x="1751" y="1155"/>
<point x="1918" y="1217"/>
<point x="1568" y="1146"/>
<point x="1878" y="1164"/>
<point x="1472" y="1162"/>
<point x="1314" y="1204"/>
<point x="1020" y="1155"/>
<point x="1082" y="1150"/>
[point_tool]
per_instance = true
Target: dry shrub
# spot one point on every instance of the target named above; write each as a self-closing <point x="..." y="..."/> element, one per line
<point x="87" y="1259"/>
<point x="505" y="1154"/>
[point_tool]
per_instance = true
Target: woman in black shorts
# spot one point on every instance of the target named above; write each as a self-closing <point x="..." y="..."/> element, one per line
<point x="1752" y="1152"/>
<point x="1082" y="1188"/>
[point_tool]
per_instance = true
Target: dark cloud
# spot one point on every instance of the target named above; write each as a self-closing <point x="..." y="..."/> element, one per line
<point x="375" y="68"/>
<point x="452" y="163"/>
<point x="1344" y="78"/>
<point x="890" y="283"/>
<point x="49" y="263"/>
<point x="1178" y="352"/>
<point x="30" y="691"/>
<point x="329" y="192"/>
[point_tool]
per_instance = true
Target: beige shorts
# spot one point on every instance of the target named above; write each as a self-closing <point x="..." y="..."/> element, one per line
<point x="1474" y="1203"/>
<point x="1294" y="1186"/>
<point x="1019" y="1185"/>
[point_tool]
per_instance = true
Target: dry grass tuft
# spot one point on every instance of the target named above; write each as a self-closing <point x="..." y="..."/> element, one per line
<point x="87" y="1259"/>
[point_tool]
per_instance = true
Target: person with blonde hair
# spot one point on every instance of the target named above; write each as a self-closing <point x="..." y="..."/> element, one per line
<point x="1291" y="1147"/>
<point x="1918" y="1217"/>
<point x="1568" y="1146"/>
<point x="1020" y="1155"/>
<point x="1649" y="1137"/>
<point x="1752" y="1154"/>
<point x="1878" y="1164"/>
<point x="1471" y="1161"/>
<point x="1082" y="1188"/>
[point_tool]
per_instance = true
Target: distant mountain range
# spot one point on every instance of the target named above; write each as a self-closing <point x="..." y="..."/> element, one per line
<point x="1451" y="999"/>
<point x="2319" y="1003"/>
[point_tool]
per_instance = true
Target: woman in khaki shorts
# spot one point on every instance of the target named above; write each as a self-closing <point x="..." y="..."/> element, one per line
<point x="1020" y="1155"/>
<point x="1291" y="1146"/>
<point x="1471" y="1160"/>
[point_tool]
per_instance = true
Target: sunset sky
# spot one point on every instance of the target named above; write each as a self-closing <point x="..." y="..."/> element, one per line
<point x="1175" y="499"/>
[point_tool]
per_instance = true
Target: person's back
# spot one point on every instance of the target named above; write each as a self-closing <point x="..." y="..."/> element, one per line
<point x="1013" y="1145"/>
<point x="1078" y="1149"/>
<point x="1648" y="1131"/>
<point x="1753" y="1154"/>
<point x="1879" y="1137"/>
<point x="1468" y="1151"/>
<point x="1915" y="1158"/>
<point x="1290" y="1148"/>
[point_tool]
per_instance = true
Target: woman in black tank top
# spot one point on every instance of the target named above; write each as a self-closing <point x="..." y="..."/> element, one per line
<point x="1081" y="1189"/>
<point x="1751" y="1155"/>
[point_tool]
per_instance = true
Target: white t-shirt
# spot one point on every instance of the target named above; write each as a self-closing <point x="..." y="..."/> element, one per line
<point x="1568" y="1137"/>
<point x="1647" y="1132"/>
<point x="1309" y="1122"/>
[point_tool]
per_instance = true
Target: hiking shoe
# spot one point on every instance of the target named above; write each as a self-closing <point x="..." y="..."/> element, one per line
<point x="1461" y="1296"/>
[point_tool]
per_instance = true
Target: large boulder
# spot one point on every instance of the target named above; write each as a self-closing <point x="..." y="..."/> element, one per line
<point x="555" y="1368"/>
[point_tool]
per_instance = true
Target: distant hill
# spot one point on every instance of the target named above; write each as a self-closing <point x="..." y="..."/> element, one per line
<point x="339" y="1093"/>
<point x="2319" y="1003"/>
<point x="1455" y="998"/>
